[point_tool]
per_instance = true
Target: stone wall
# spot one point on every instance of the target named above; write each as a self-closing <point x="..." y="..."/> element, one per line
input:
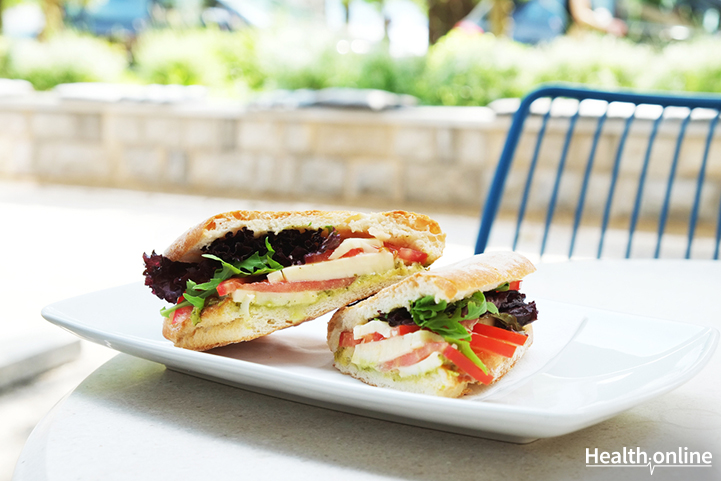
<point x="423" y="157"/>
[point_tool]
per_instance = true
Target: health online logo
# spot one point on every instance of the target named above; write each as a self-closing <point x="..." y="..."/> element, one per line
<point x="630" y="458"/>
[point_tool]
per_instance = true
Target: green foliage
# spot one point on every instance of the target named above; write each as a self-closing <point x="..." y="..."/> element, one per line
<point x="184" y="57"/>
<point x="464" y="69"/>
<point x="67" y="57"/>
<point x="461" y="69"/>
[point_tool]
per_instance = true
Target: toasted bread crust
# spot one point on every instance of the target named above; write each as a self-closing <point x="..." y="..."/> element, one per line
<point x="451" y="283"/>
<point x="404" y="229"/>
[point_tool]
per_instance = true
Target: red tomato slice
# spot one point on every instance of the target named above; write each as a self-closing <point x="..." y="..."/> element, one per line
<point x="234" y="284"/>
<point x="353" y="252"/>
<point x="412" y="255"/>
<point x="230" y="285"/>
<point x="347" y="340"/>
<point x="483" y="343"/>
<point x="406" y="254"/>
<point x="413" y="357"/>
<point x="465" y="364"/>
<point x="514" y="286"/>
<point x="323" y="256"/>
<point x="500" y="334"/>
<point x="404" y="329"/>
<point x="181" y="315"/>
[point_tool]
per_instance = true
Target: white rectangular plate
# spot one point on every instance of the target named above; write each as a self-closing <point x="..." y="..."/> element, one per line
<point x="585" y="366"/>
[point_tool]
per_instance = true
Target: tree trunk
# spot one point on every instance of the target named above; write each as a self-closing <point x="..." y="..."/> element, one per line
<point x="443" y="15"/>
<point x="53" y="11"/>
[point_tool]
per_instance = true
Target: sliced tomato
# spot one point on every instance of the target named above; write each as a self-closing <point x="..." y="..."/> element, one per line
<point x="466" y="365"/>
<point x="514" y="285"/>
<point x="404" y="329"/>
<point x="230" y="285"/>
<point x="353" y="252"/>
<point x="182" y="314"/>
<point x="374" y="336"/>
<point x="406" y="254"/>
<point x="483" y="343"/>
<point x="313" y="258"/>
<point x="500" y="334"/>
<point x="347" y="339"/>
<point x="413" y="357"/>
<point x="412" y="255"/>
<point x="295" y="286"/>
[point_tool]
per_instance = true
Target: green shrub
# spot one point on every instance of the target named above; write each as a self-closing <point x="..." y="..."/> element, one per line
<point x="465" y="69"/>
<point x="461" y="69"/>
<point x="693" y="66"/>
<point x="185" y="57"/>
<point x="67" y="57"/>
<point x="600" y="61"/>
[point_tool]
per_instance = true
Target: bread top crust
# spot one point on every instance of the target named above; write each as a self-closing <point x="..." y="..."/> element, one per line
<point x="404" y="229"/>
<point x="451" y="283"/>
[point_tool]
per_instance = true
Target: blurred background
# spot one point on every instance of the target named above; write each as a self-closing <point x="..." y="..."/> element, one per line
<point x="442" y="52"/>
<point x="124" y="122"/>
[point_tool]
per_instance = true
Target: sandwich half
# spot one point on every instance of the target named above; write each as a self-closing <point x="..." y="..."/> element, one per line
<point x="440" y="331"/>
<point x="242" y="275"/>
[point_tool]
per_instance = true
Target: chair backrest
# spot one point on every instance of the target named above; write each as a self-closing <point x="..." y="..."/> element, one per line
<point x="601" y="139"/>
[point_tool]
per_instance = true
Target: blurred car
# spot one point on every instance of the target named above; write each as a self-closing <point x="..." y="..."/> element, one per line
<point x="110" y="17"/>
<point x="531" y="21"/>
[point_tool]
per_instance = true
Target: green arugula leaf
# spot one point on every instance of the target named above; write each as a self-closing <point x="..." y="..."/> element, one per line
<point x="445" y="320"/>
<point x="196" y="294"/>
<point x="503" y="287"/>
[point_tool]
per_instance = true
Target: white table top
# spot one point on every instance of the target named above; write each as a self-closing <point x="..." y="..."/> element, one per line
<point x="133" y="419"/>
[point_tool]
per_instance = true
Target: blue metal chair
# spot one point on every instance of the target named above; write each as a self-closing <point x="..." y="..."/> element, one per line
<point x="672" y="115"/>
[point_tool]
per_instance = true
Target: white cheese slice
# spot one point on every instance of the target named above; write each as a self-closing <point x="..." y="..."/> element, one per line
<point x="381" y="327"/>
<point x="276" y="276"/>
<point x="245" y="298"/>
<point x="434" y="361"/>
<point x="378" y="352"/>
<point x="369" y="246"/>
<point x="362" y="264"/>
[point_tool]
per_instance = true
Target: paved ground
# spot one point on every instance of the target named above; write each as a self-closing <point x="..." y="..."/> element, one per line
<point x="64" y="241"/>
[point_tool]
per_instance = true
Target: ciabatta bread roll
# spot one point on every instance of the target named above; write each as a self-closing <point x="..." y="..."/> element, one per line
<point x="242" y="275"/>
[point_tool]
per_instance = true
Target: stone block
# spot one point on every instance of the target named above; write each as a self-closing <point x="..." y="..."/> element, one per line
<point x="204" y="133"/>
<point x="298" y="137"/>
<point x="15" y="156"/>
<point x="260" y="136"/>
<point x="177" y="167"/>
<point x="228" y="128"/>
<point x="353" y="140"/>
<point x="472" y="148"/>
<point x="441" y="185"/>
<point x="276" y="175"/>
<point x="322" y="177"/>
<point x="89" y="126"/>
<point x="142" y="164"/>
<point x="71" y="161"/>
<point x="416" y="144"/>
<point x="380" y="179"/>
<point x="163" y="131"/>
<point x="228" y="171"/>
<point x="126" y="129"/>
<point x="55" y="126"/>
<point x="13" y="124"/>
<point x="445" y="145"/>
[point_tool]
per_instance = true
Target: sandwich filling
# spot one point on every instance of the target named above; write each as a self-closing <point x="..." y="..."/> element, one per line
<point x="426" y="336"/>
<point x="294" y="267"/>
